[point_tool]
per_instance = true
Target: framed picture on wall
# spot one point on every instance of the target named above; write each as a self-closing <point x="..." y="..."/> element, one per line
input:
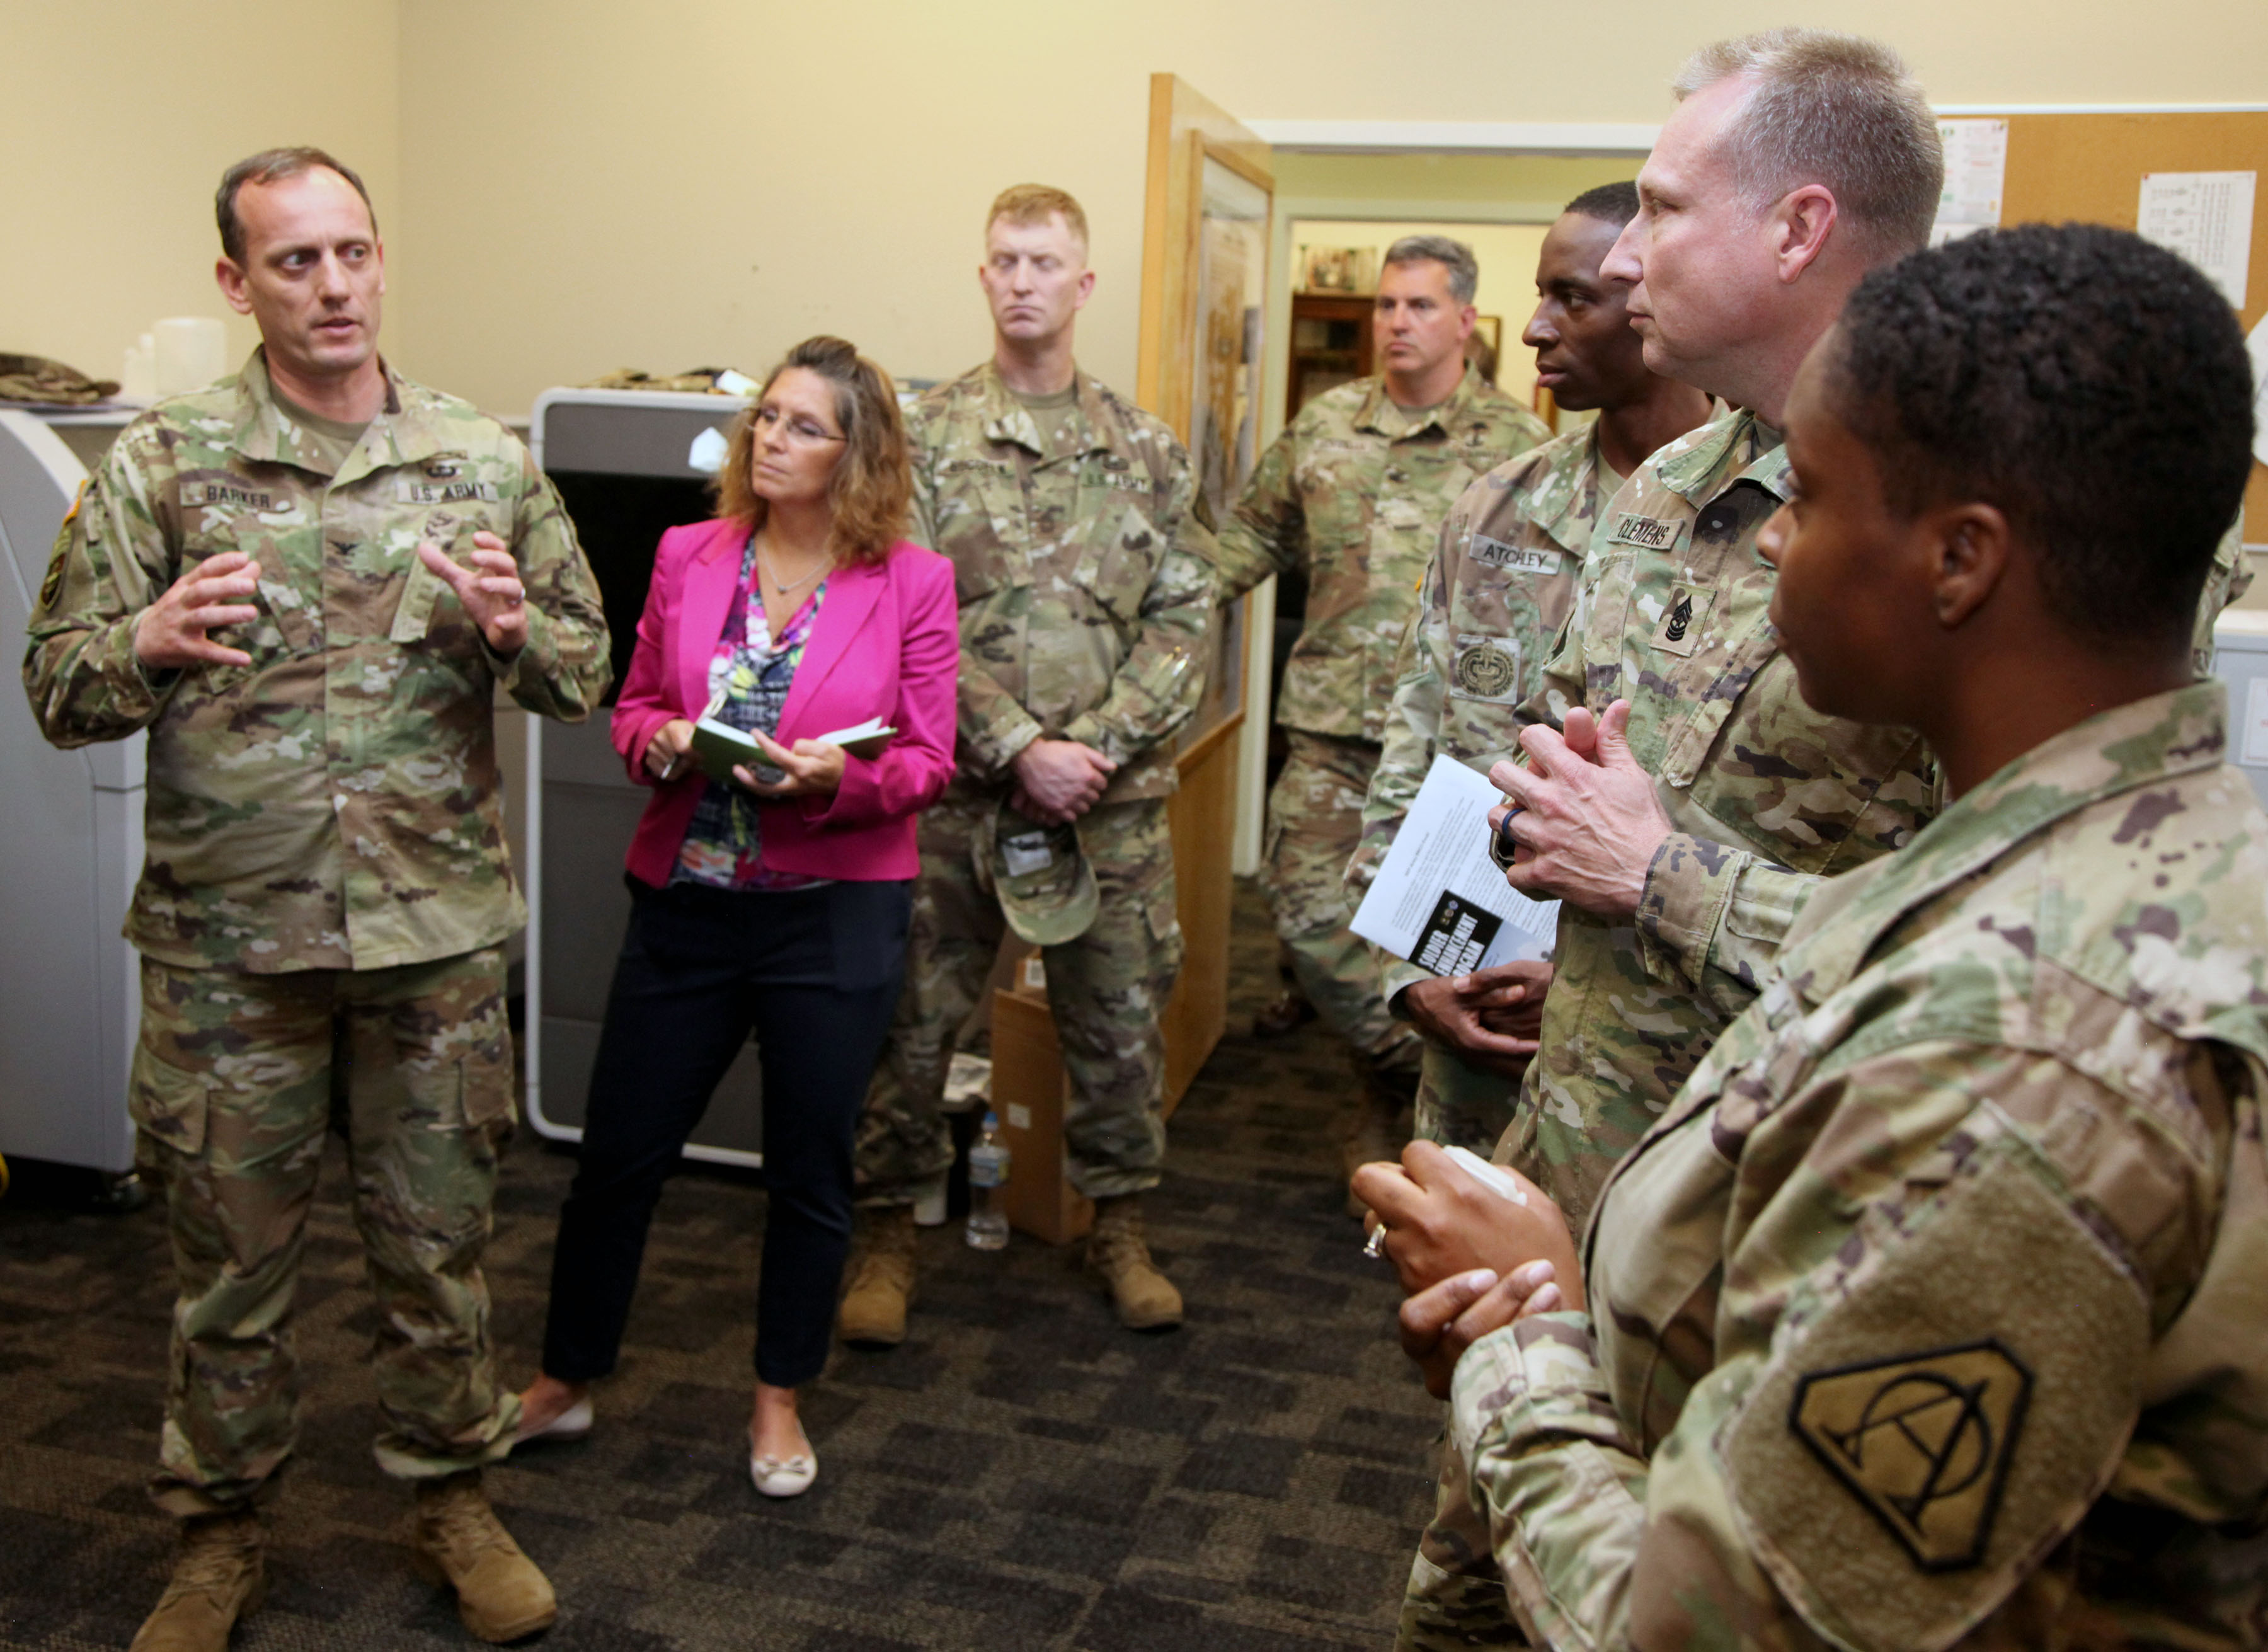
<point x="1338" y="269"/>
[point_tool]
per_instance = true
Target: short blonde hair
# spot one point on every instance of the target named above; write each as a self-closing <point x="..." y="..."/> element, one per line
<point x="1037" y="203"/>
<point x="872" y="489"/>
<point x="1832" y="109"/>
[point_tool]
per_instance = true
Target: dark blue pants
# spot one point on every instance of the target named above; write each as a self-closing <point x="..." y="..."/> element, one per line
<point x="815" y="974"/>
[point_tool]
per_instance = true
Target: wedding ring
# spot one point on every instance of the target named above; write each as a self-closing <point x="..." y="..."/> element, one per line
<point x="1374" y="1246"/>
<point x="1503" y="846"/>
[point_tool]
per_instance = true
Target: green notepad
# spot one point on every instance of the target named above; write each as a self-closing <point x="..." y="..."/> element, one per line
<point x="717" y="747"/>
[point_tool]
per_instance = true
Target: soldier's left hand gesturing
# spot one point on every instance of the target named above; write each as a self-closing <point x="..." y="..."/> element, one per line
<point x="1585" y="815"/>
<point x="490" y="590"/>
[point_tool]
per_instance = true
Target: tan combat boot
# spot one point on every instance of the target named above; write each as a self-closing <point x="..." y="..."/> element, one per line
<point x="1117" y="1255"/>
<point x="218" y="1577"/>
<point x="881" y="1280"/>
<point x="460" y="1544"/>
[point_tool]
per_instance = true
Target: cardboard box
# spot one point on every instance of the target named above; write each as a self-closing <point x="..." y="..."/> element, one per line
<point x="1029" y="1090"/>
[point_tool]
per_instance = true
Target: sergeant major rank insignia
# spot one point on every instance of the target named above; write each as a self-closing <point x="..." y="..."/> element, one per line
<point x="1486" y="668"/>
<point x="1680" y="629"/>
<point x="1923" y="1440"/>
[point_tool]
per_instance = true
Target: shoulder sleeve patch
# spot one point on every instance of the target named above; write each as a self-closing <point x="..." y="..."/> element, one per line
<point x="1948" y="1416"/>
<point x="1924" y="1440"/>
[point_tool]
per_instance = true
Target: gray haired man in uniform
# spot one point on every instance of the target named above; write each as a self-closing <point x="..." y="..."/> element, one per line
<point x="1352" y="494"/>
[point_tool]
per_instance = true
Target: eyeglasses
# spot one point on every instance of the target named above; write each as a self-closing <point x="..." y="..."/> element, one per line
<point x="801" y="432"/>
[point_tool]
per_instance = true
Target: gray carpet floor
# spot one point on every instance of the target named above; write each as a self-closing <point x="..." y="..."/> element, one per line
<point x="1021" y="1473"/>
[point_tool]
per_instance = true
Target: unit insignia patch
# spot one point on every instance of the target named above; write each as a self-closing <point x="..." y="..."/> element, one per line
<point x="1923" y="1440"/>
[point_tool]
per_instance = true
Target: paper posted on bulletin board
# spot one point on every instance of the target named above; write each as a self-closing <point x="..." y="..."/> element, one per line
<point x="1975" y="178"/>
<point x="2207" y="216"/>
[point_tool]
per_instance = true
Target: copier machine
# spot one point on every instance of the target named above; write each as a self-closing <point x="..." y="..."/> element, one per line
<point x="70" y="851"/>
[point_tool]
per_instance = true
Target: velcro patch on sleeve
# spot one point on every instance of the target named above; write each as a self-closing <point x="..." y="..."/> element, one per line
<point x="1950" y="1416"/>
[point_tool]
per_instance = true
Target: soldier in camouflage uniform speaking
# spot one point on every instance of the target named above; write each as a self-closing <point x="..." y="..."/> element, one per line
<point x="1085" y="587"/>
<point x="1929" y="1315"/>
<point x="1352" y="493"/>
<point x="305" y="583"/>
<point x="1497" y="592"/>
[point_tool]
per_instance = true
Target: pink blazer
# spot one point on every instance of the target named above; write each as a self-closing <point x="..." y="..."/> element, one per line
<point x="887" y="644"/>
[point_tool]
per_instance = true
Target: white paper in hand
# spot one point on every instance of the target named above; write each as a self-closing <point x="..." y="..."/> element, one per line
<point x="1439" y="901"/>
<point x="1487" y="1175"/>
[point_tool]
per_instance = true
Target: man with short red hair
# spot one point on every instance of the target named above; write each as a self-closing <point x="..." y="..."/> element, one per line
<point x="1085" y="589"/>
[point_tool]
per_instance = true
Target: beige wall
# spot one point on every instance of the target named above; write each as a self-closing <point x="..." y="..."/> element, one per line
<point x="578" y="185"/>
<point x="120" y="118"/>
<point x="692" y="180"/>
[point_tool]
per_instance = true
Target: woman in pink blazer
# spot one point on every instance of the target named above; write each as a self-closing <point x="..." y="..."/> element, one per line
<point x="776" y="901"/>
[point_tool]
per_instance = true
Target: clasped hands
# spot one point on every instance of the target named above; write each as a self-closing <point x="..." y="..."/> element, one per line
<point x="1490" y="1017"/>
<point x="810" y="768"/>
<point x="1472" y="1260"/>
<point x="1585" y="817"/>
<point x="1058" y="780"/>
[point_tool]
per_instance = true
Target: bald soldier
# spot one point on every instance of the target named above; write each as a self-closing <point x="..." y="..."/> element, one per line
<point x="1929" y="1314"/>
<point x="306" y="583"/>
<point x="1352" y="494"/>
<point x="1500" y="587"/>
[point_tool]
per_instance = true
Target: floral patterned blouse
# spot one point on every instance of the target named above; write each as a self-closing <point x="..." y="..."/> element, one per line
<point x="751" y="670"/>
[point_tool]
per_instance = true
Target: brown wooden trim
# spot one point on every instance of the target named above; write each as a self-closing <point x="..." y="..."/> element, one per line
<point x="1203" y="747"/>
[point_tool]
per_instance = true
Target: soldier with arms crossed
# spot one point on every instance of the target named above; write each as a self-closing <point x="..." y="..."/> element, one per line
<point x="1352" y="494"/>
<point x="1085" y="587"/>
<point x="1499" y="590"/>
<point x="1928" y="1314"/>
<point x="305" y="583"/>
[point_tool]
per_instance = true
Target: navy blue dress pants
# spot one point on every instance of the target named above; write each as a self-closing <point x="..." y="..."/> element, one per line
<point x="815" y="974"/>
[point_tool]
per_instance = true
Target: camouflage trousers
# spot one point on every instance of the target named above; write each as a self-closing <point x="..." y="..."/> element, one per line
<point x="231" y="1094"/>
<point x="1456" y="1596"/>
<point x="1461" y="1106"/>
<point x="1107" y="990"/>
<point x="1314" y="825"/>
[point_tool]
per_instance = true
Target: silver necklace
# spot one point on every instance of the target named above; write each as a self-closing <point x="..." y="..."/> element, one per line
<point x="824" y="563"/>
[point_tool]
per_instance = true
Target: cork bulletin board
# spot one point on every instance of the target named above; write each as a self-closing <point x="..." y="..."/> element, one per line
<point x="2089" y="168"/>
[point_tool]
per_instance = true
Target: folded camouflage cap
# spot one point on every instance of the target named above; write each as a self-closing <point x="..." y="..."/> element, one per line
<point x="1046" y="888"/>
<point x="37" y="379"/>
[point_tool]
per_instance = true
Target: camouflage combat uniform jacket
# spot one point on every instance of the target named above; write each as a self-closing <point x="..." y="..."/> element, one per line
<point x="1354" y="491"/>
<point x="1764" y="795"/>
<point x="1496" y="595"/>
<point x="1931" y="1312"/>
<point x="1084" y="579"/>
<point x="333" y="804"/>
<point x="2230" y="578"/>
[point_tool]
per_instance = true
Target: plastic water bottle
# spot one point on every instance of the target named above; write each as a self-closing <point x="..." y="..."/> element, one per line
<point x="988" y="1170"/>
